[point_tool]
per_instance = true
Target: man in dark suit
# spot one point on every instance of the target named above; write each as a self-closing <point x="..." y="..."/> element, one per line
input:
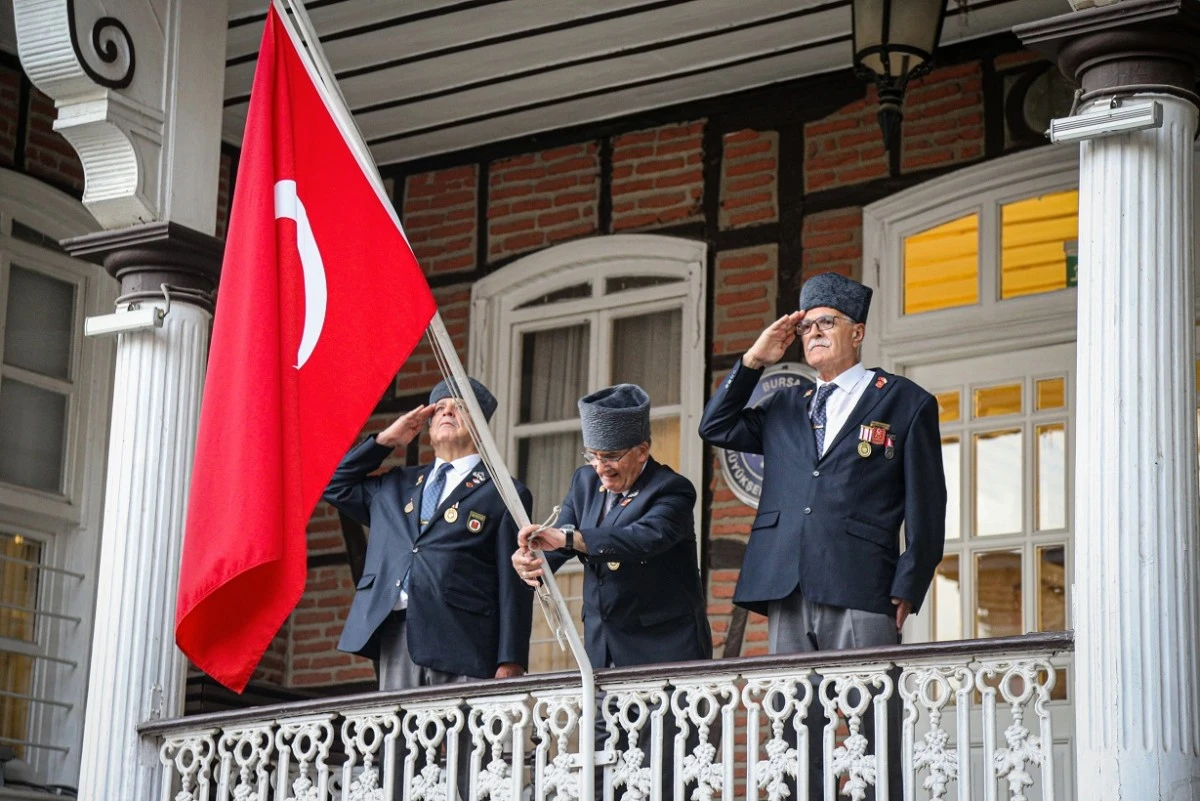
<point x="437" y="601"/>
<point x="847" y="461"/>
<point x="628" y="519"/>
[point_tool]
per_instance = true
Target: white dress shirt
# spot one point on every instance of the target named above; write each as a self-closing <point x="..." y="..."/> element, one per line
<point x="850" y="386"/>
<point x="459" y="470"/>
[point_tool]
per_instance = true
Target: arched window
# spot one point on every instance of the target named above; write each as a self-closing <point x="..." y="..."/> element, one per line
<point x="554" y="326"/>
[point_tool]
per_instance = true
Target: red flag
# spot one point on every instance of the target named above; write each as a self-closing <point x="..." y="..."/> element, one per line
<point x="321" y="301"/>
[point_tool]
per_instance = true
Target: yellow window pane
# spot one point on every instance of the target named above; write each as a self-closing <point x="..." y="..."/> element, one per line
<point x="1051" y="393"/>
<point x="994" y="401"/>
<point x="998" y="594"/>
<point x="947" y="601"/>
<point x="19" y="579"/>
<point x="952" y="466"/>
<point x="664" y="445"/>
<point x="941" y="266"/>
<point x="1037" y="236"/>
<point x="1052" y="592"/>
<point x="948" y="406"/>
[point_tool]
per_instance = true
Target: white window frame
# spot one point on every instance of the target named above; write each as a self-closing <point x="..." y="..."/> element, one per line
<point x="68" y="524"/>
<point x="992" y="325"/>
<point x="497" y="322"/>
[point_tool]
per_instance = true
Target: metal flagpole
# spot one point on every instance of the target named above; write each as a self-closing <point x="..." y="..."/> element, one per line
<point x="318" y="66"/>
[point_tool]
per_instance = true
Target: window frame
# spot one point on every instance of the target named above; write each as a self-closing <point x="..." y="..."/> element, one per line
<point x="895" y="339"/>
<point x="497" y="323"/>
<point x="68" y="523"/>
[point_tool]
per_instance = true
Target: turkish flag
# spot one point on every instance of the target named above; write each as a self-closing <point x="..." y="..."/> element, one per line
<point x="321" y="301"/>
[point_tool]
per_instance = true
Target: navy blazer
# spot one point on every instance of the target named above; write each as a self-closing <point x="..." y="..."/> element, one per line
<point x="468" y="611"/>
<point x="642" y="599"/>
<point x="830" y="526"/>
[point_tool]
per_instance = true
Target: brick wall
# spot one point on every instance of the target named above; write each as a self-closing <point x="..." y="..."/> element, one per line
<point x="439" y="218"/>
<point x="657" y="177"/>
<point x="10" y="99"/>
<point x="47" y="154"/>
<point x="744" y="305"/>
<point x="749" y="178"/>
<point x="832" y="242"/>
<point x="540" y="199"/>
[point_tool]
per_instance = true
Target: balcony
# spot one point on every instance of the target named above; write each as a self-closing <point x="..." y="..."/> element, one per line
<point x="975" y="720"/>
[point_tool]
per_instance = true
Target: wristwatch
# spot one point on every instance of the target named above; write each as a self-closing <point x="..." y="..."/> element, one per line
<point x="569" y="531"/>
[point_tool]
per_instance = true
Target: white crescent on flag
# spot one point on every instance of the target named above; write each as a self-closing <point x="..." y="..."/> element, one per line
<point x="287" y="204"/>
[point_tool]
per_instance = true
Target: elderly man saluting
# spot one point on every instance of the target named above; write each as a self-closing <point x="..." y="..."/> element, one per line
<point x="847" y="461"/>
<point x="437" y="602"/>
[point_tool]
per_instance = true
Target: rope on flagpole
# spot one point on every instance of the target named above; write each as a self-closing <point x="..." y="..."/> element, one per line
<point x="313" y="56"/>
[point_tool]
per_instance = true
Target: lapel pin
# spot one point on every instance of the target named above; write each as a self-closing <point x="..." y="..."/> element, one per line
<point x="408" y="509"/>
<point x="879" y="382"/>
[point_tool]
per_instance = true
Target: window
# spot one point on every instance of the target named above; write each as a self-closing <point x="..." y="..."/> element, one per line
<point x="574" y="319"/>
<point x="54" y="402"/>
<point x="984" y="249"/>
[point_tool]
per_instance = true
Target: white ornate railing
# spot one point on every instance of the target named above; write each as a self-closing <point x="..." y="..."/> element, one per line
<point x="969" y="720"/>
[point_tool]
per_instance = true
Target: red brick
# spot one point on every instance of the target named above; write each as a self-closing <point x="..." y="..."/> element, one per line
<point x="742" y="261"/>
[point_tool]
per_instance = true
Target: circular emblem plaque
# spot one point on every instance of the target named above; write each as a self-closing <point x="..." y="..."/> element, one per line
<point x="743" y="472"/>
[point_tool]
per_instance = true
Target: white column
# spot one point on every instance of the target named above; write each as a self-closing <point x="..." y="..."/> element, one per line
<point x="137" y="673"/>
<point x="1137" y="553"/>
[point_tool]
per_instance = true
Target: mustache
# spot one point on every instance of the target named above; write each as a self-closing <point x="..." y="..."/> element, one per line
<point x="818" y="341"/>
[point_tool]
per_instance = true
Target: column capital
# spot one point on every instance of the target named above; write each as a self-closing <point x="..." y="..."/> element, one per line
<point x="1128" y="46"/>
<point x="144" y="257"/>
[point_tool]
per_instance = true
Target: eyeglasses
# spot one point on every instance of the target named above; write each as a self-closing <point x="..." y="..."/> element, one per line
<point x="822" y="323"/>
<point x="595" y="458"/>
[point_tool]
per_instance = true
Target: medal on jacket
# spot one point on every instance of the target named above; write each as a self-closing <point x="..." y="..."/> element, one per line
<point x="409" y="507"/>
<point x="451" y="515"/>
<point x="475" y="522"/>
<point x="889" y="448"/>
<point x="864" y="449"/>
<point x="614" y="565"/>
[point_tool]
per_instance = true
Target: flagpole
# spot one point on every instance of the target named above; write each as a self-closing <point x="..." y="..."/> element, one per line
<point x="314" y="60"/>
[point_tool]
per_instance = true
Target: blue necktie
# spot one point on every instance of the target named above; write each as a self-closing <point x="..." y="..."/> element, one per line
<point x="818" y="415"/>
<point x="433" y="494"/>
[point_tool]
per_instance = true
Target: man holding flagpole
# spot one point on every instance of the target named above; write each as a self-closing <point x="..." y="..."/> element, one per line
<point x="437" y="601"/>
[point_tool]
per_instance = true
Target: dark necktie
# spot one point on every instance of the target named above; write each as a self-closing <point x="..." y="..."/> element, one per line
<point x="611" y="501"/>
<point x="818" y="415"/>
<point x="433" y="494"/>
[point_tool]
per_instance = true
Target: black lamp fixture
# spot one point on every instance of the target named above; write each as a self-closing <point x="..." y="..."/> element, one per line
<point x="894" y="42"/>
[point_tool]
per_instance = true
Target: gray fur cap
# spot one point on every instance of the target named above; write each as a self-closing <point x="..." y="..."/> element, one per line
<point x="487" y="401"/>
<point x="837" y="292"/>
<point x="615" y="418"/>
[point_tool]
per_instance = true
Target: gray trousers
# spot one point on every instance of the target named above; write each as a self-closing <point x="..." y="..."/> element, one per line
<point x="397" y="671"/>
<point x="797" y="626"/>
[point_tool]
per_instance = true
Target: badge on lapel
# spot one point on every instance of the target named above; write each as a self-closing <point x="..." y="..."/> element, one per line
<point x="475" y="522"/>
<point x="408" y="507"/>
<point x="806" y="394"/>
<point x="614" y="565"/>
<point x="420" y="479"/>
<point x="628" y="499"/>
<point x="476" y="479"/>
<point x="879" y="382"/>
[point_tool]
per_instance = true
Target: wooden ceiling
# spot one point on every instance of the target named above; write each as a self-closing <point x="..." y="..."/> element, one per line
<point x="434" y="76"/>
